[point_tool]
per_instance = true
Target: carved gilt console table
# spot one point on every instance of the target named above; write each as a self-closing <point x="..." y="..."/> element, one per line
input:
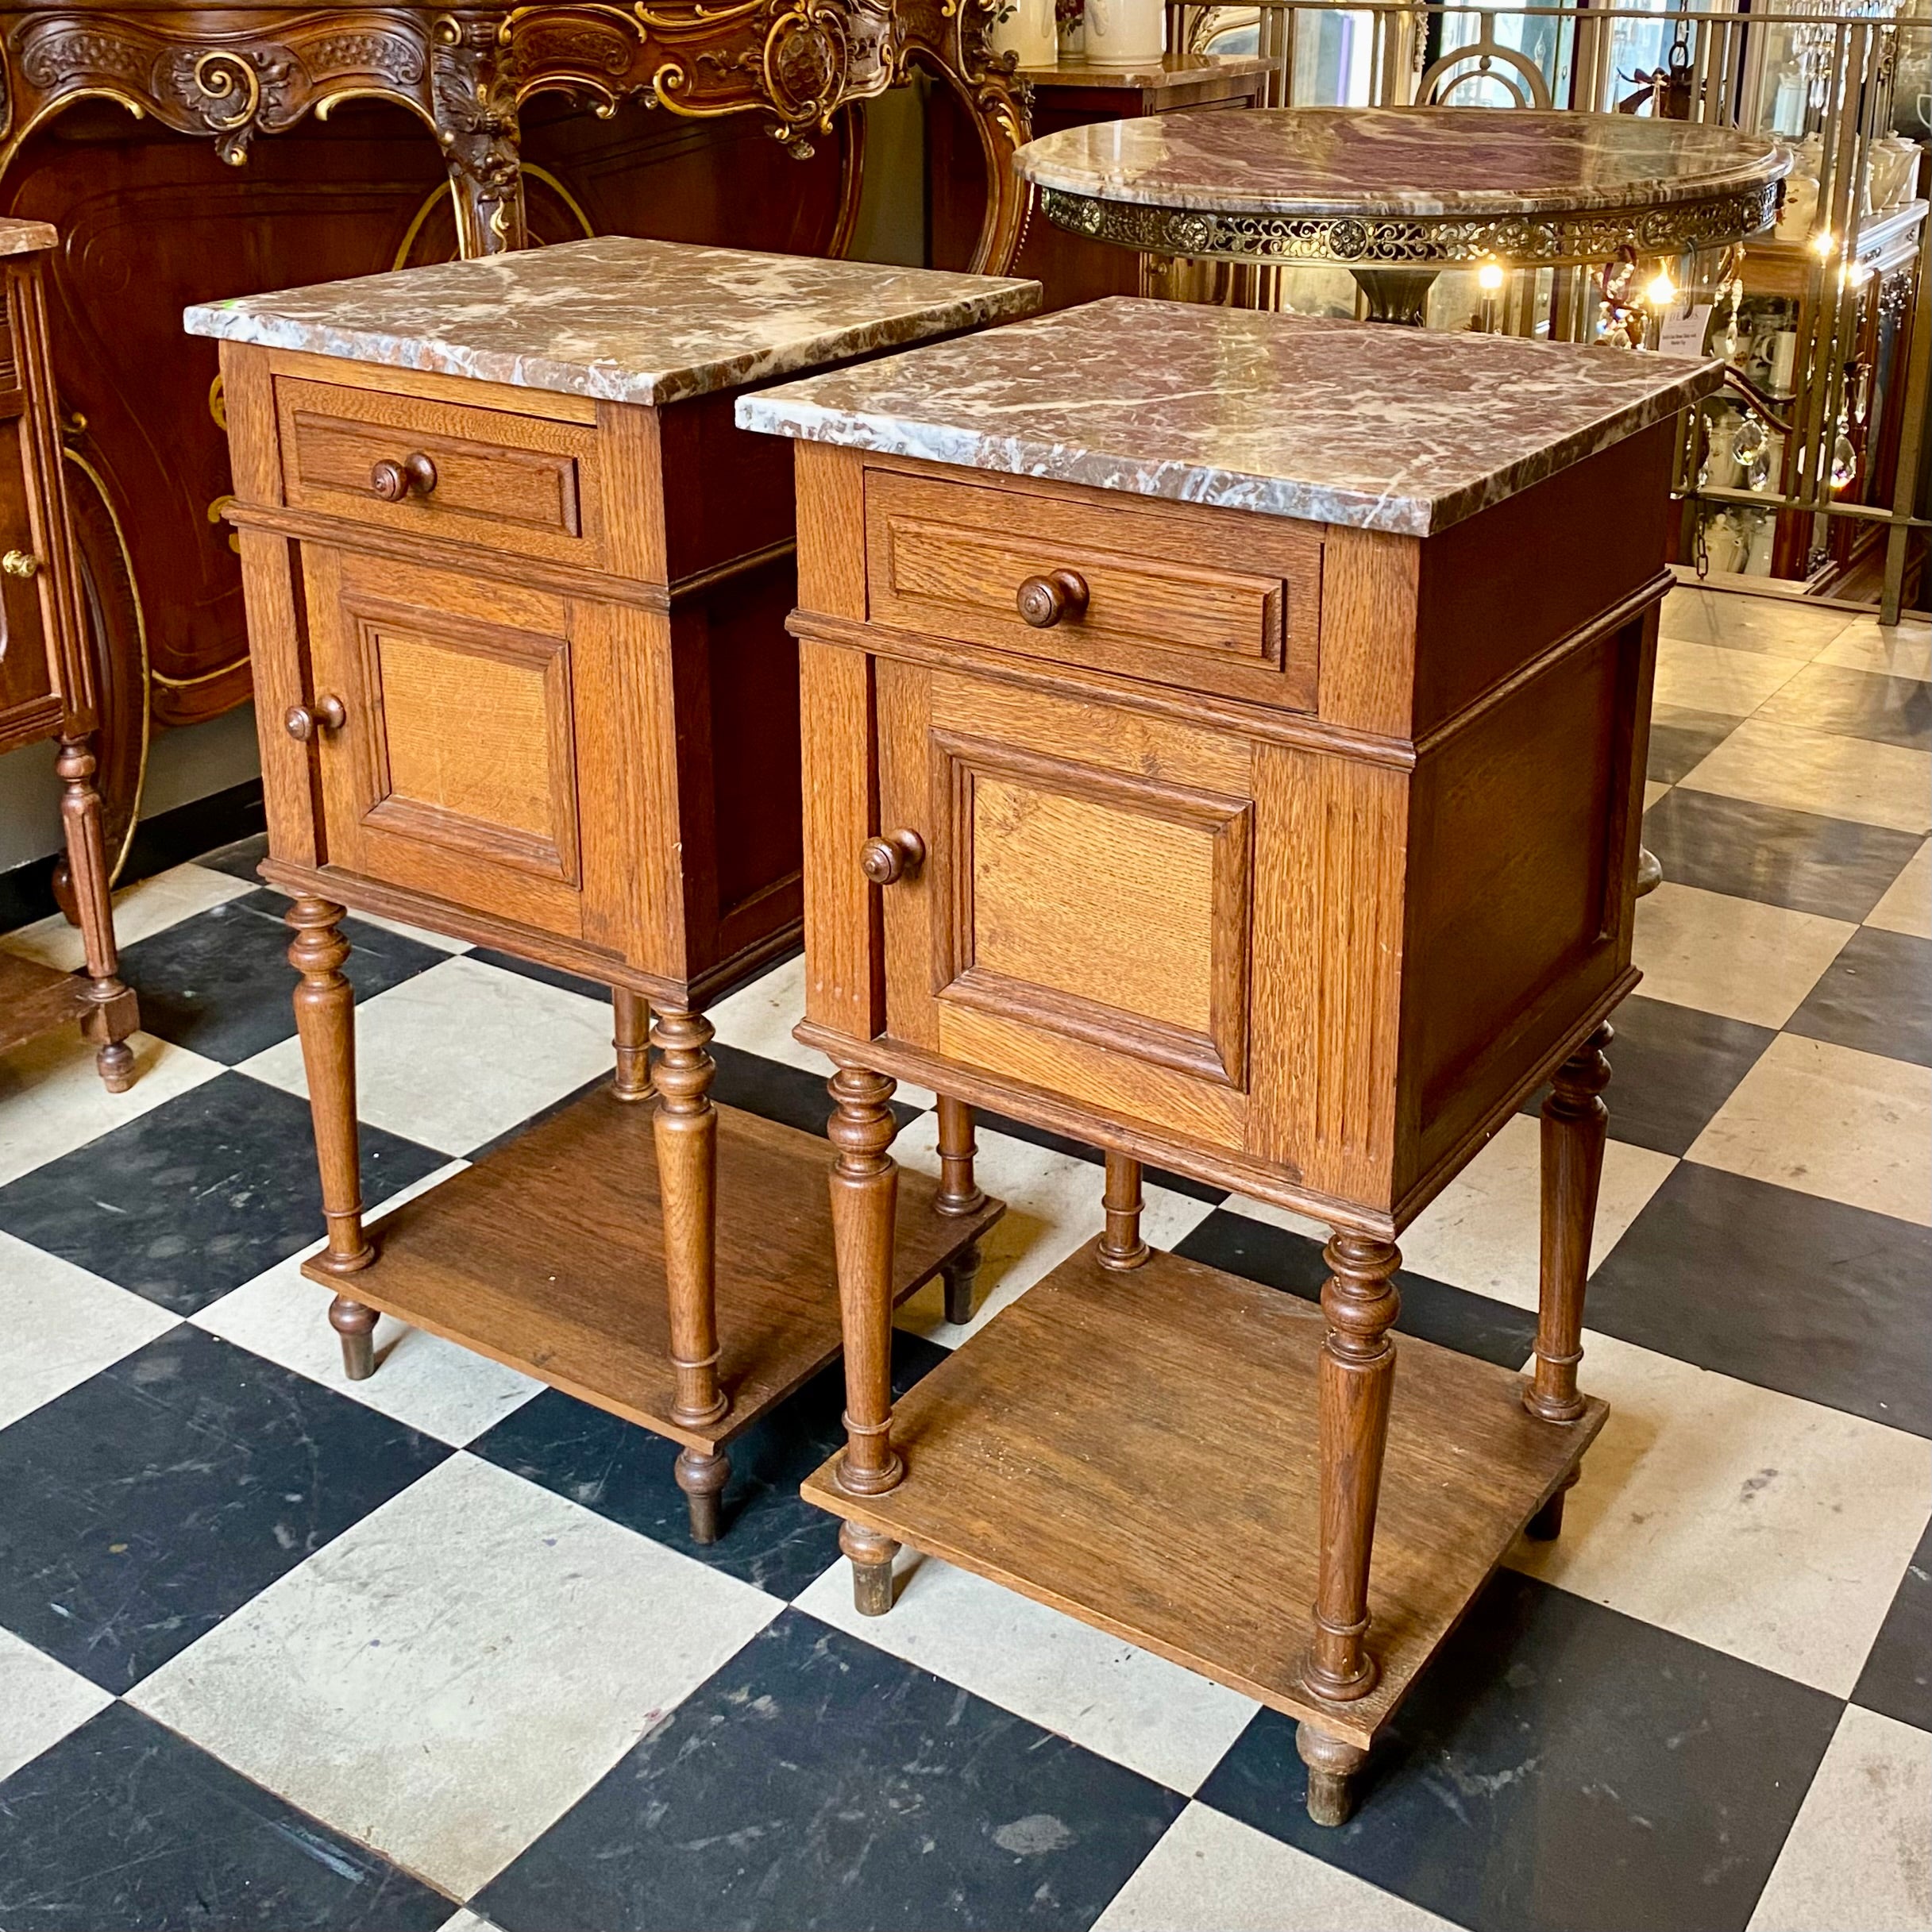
<point x="190" y="152"/>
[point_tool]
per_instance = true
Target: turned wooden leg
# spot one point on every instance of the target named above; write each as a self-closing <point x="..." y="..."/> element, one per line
<point x="630" y="1037"/>
<point x="1546" y="1525"/>
<point x="1120" y="1244"/>
<point x="1576" y="1124"/>
<point x="959" y="1193"/>
<point x="112" y="1012"/>
<point x="865" y="1196"/>
<point x="685" y="1130"/>
<point x="1356" y="1376"/>
<point x="1331" y="1763"/>
<point x="325" y="1024"/>
<point x="702" y="1477"/>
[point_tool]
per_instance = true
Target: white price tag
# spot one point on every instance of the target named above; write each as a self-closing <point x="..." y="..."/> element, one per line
<point x="1683" y="330"/>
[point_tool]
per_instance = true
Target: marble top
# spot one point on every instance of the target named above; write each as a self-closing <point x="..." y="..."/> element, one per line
<point x="24" y="237"/>
<point x="1400" y="161"/>
<point x="619" y="318"/>
<point x="1169" y="70"/>
<point x="1334" y="421"/>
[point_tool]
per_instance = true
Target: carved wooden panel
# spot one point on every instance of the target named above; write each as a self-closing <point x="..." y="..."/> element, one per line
<point x="29" y="705"/>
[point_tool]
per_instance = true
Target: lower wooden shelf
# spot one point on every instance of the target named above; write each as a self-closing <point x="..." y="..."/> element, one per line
<point x="35" y="999"/>
<point x="1138" y="1450"/>
<point x="549" y="1255"/>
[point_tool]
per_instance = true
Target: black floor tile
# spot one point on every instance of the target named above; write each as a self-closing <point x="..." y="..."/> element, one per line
<point x="772" y="1537"/>
<point x="1086" y="1150"/>
<point x="218" y="821"/>
<point x="199" y="1196"/>
<point x="1672" y="1068"/>
<point x="778" y="1092"/>
<point x="1475" y="1325"/>
<point x="240" y="859"/>
<point x="1876" y="996"/>
<point x="815" y="1782"/>
<point x="1897" y="1678"/>
<point x="1561" y="1766"/>
<point x="1854" y="703"/>
<point x="1801" y="860"/>
<point x="1680" y="740"/>
<point x="550" y="976"/>
<point x="147" y="1504"/>
<point x="1785" y="1290"/>
<point x="122" y="1825"/>
<point x="221" y="984"/>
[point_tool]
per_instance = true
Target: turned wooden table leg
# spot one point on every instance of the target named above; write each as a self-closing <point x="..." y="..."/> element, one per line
<point x="630" y="1038"/>
<point x="1576" y="1125"/>
<point x="1120" y="1244"/>
<point x="685" y="1130"/>
<point x="1332" y="1763"/>
<point x="1357" y="1377"/>
<point x="959" y="1193"/>
<point x="864" y="1198"/>
<point x="113" y="1012"/>
<point x="325" y="1024"/>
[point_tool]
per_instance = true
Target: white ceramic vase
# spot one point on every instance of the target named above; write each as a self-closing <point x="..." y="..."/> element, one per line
<point x="1125" y="33"/>
<point x="1027" y="29"/>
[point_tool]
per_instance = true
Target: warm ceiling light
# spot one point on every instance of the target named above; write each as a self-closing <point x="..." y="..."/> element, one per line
<point x="1823" y="242"/>
<point x="1489" y="277"/>
<point x="1662" y="291"/>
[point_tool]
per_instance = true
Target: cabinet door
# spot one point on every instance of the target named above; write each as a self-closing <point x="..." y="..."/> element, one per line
<point x="470" y="706"/>
<point x="1083" y="918"/>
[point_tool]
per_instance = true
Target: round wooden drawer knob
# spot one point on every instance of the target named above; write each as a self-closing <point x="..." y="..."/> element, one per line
<point x="303" y="724"/>
<point x="1044" y="601"/>
<point x="21" y="563"/>
<point x="393" y="481"/>
<point x="888" y="860"/>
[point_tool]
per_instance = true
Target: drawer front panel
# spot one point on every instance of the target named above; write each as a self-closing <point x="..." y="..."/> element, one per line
<point x="516" y="483"/>
<point x="454" y="770"/>
<point x="1217" y="602"/>
<point x="29" y="707"/>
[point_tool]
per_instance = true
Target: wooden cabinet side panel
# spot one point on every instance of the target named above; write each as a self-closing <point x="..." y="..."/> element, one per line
<point x="831" y="484"/>
<point x="1330" y="839"/>
<point x="915" y="908"/>
<point x="845" y="979"/>
<point x="279" y="657"/>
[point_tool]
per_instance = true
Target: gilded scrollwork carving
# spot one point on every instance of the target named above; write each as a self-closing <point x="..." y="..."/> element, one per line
<point x="473" y="100"/>
<point x="1415" y="241"/>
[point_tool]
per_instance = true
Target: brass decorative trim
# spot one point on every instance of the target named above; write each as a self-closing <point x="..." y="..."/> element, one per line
<point x="1592" y="235"/>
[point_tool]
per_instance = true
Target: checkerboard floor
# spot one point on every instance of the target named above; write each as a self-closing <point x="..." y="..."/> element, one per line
<point x="279" y="1650"/>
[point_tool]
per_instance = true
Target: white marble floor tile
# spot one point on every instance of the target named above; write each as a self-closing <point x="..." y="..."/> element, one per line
<point x="1736" y="956"/>
<point x="1211" y="1873"/>
<point x="466" y="1920"/>
<point x="462" y="1052"/>
<point x="1053" y="1205"/>
<point x="447" y="1678"/>
<point x="52" y="1101"/>
<point x="1481" y="1232"/>
<point x="759" y="1018"/>
<point x="1783" y="625"/>
<point x="62" y="1324"/>
<point x="447" y="1392"/>
<point x="1859" y="1853"/>
<point x="1829" y="1120"/>
<point x="1708" y="678"/>
<point x="1904" y="650"/>
<point x="421" y="935"/>
<point x="1652" y="792"/>
<point x="1748" y="1520"/>
<point x="1820" y="772"/>
<point x="141" y="910"/>
<point x="41" y="1702"/>
<point x="1907" y="906"/>
<point x="1126" y="1704"/>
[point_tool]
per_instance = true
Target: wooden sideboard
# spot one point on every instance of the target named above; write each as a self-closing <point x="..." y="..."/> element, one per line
<point x="517" y="590"/>
<point x="1204" y="767"/>
<point x="47" y="688"/>
<point x="189" y="152"/>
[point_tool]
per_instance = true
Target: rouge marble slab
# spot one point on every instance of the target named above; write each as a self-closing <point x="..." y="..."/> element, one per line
<point x="1343" y="422"/>
<point x="625" y="320"/>
<point x="18" y="237"/>
<point x="1419" y="161"/>
<point x="1169" y="70"/>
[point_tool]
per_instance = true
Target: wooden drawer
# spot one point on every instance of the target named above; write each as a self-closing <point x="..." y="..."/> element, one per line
<point x="1209" y="601"/>
<point x="525" y="483"/>
<point x="30" y="705"/>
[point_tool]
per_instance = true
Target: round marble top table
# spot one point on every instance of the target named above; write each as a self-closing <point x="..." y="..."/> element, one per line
<point x="1396" y="194"/>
